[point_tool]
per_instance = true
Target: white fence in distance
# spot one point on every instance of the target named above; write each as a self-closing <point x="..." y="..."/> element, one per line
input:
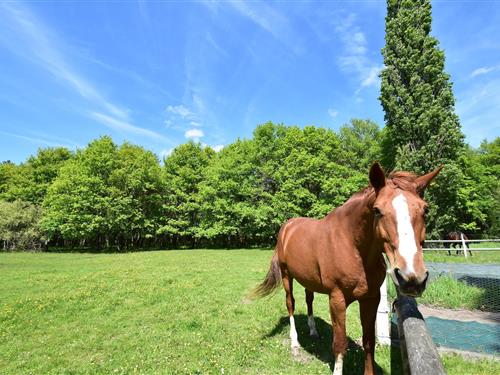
<point x="462" y="242"/>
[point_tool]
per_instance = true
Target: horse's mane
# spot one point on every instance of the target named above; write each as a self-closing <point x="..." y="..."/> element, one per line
<point x="402" y="180"/>
<point x="396" y="180"/>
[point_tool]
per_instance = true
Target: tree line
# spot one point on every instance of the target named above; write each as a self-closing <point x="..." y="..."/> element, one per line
<point x="121" y="197"/>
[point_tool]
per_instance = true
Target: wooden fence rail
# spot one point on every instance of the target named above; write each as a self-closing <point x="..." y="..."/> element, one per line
<point x="418" y="352"/>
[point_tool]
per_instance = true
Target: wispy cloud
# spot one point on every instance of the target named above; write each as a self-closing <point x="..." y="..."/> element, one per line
<point x="41" y="44"/>
<point x="477" y="106"/>
<point x="29" y="37"/>
<point x="123" y="126"/>
<point x="333" y="112"/>
<point x="354" y="58"/>
<point x="484" y="70"/>
<point x="180" y="110"/>
<point x="35" y="140"/>
<point x="270" y="20"/>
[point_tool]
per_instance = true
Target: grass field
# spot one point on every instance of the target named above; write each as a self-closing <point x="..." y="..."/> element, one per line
<point x="170" y="312"/>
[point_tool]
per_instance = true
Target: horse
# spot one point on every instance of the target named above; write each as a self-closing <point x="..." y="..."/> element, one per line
<point x="456" y="236"/>
<point x="341" y="255"/>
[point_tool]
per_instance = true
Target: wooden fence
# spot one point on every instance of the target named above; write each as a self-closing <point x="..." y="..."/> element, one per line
<point x="418" y="352"/>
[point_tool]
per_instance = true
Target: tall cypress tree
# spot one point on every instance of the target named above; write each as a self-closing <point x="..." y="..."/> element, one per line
<point x="416" y="94"/>
<point x="422" y="129"/>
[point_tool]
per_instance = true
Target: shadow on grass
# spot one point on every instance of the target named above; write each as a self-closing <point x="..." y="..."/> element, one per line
<point x="322" y="348"/>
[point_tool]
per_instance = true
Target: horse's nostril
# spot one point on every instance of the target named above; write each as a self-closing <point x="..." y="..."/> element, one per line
<point x="426" y="278"/>
<point x="399" y="276"/>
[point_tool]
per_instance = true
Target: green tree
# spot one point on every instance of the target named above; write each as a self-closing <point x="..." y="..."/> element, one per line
<point x="8" y="171"/>
<point x="78" y="205"/>
<point x="230" y="195"/>
<point x="416" y="94"/>
<point x="183" y="172"/>
<point x="422" y="129"/>
<point x="489" y="157"/>
<point x="137" y="194"/>
<point x="105" y="196"/>
<point x="360" y="141"/>
<point x="19" y="228"/>
<point x="30" y="180"/>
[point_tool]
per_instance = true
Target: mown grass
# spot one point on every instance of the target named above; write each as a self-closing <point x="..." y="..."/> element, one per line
<point x="171" y="312"/>
<point x="447" y="292"/>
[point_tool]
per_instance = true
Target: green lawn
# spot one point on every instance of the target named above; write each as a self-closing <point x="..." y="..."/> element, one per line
<point x="168" y="312"/>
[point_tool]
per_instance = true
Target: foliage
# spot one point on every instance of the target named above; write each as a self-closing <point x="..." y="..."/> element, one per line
<point x="19" y="228"/>
<point x="30" y="180"/>
<point x="184" y="170"/>
<point x="105" y="196"/>
<point x="422" y="129"/>
<point x="253" y="186"/>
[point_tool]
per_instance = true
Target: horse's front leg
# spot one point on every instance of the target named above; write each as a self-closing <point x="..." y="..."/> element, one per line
<point x="338" y="312"/>
<point x="368" y="314"/>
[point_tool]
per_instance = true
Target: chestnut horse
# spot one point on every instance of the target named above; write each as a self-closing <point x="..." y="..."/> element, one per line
<point x="341" y="255"/>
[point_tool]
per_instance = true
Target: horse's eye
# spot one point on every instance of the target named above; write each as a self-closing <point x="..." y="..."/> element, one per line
<point x="377" y="212"/>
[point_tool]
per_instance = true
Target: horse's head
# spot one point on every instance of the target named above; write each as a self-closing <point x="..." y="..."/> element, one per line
<point x="399" y="223"/>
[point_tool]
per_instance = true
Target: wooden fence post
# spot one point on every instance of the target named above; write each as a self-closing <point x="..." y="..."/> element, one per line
<point x="419" y="354"/>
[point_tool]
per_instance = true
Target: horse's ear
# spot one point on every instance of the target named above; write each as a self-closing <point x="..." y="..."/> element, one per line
<point x="377" y="177"/>
<point x="425" y="180"/>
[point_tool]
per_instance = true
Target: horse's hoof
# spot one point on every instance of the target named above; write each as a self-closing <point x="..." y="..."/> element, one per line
<point x="295" y="351"/>
<point x="314" y="336"/>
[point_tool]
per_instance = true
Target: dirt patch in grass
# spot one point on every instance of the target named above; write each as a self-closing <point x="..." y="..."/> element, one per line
<point x="461" y="315"/>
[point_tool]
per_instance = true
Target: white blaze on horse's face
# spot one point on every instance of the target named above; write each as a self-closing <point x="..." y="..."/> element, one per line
<point x="407" y="246"/>
<point x="408" y="232"/>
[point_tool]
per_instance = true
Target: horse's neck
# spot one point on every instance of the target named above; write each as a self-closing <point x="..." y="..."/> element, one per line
<point x="359" y="220"/>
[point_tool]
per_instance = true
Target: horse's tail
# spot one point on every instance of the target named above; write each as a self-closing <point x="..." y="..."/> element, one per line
<point x="272" y="280"/>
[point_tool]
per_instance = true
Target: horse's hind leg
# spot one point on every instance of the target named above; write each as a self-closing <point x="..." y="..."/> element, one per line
<point x="290" y="305"/>
<point x="310" y="317"/>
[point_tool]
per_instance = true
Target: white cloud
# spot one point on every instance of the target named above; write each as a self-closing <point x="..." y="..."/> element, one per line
<point x="217" y="148"/>
<point x="194" y="133"/>
<point x="372" y="77"/>
<point x="194" y="123"/>
<point x="483" y="70"/>
<point x="333" y="112"/>
<point x="165" y="153"/>
<point x="180" y="110"/>
<point x="120" y="125"/>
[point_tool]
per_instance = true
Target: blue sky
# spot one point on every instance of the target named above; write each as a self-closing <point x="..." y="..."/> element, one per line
<point x="157" y="73"/>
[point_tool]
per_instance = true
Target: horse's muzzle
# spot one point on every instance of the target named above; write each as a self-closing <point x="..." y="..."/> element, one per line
<point x="412" y="286"/>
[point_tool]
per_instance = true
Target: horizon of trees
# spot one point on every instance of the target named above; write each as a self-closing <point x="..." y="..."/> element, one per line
<point x="121" y="197"/>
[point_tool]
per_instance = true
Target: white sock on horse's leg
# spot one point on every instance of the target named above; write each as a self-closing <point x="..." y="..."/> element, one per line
<point x="338" y="365"/>
<point x="312" y="326"/>
<point x="293" y="333"/>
